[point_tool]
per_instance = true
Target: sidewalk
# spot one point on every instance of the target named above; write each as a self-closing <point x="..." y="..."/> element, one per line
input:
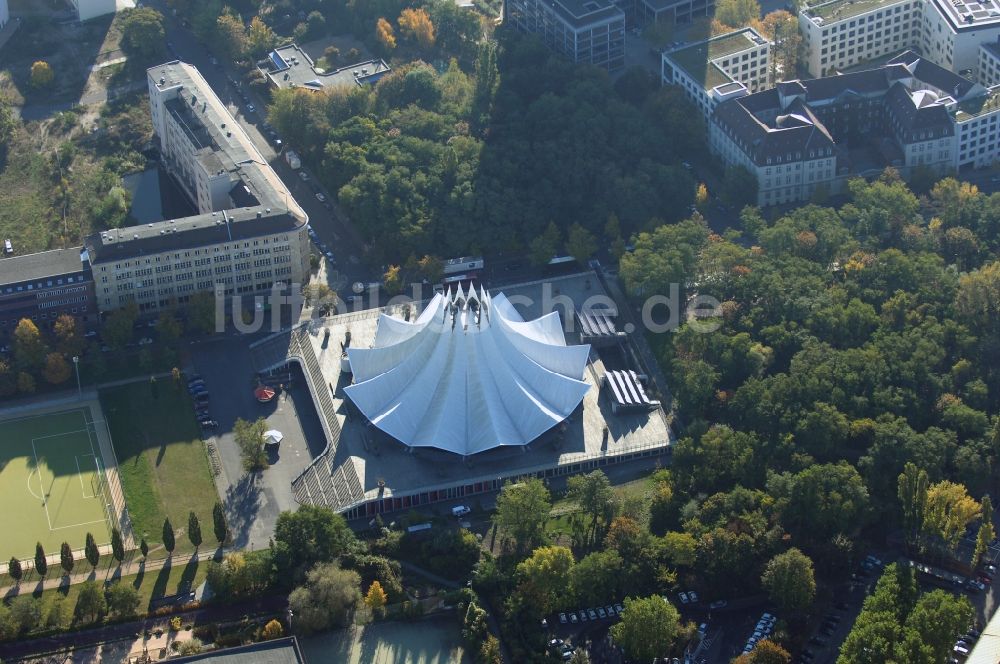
<point x="132" y="565"/>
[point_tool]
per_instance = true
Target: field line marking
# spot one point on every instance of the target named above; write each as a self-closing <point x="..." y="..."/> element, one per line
<point x="33" y="495"/>
<point x="45" y="503"/>
<point x="79" y="474"/>
<point x="85" y="523"/>
<point x="57" y="435"/>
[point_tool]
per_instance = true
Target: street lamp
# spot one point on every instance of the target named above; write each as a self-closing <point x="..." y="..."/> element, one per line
<point x="290" y="616"/>
<point x="76" y="365"/>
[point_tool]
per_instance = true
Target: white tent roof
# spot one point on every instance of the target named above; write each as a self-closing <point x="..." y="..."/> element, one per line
<point x="469" y="374"/>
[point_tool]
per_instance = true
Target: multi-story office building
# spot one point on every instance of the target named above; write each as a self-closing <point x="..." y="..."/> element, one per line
<point x="674" y="11"/>
<point x="842" y="33"/>
<point x="989" y="63"/>
<point x="724" y="67"/>
<point x="805" y="135"/>
<point x="44" y="286"/>
<point x="586" y="31"/>
<point x="250" y="234"/>
<point x="289" y="66"/>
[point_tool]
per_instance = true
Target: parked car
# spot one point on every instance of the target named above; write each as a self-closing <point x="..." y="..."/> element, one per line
<point x="592" y="614"/>
<point x="209" y="424"/>
<point x="619" y="608"/>
<point x="683" y="597"/>
<point x="583" y="616"/>
<point x="610" y="610"/>
<point x="718" y="604"/>
<point x="573" y="619"/>
<point x="693" y="596"/>
<point x="601" y="613"/>
<point x="555" y="643"/>
<point x="304" y="176"/>
<point x="250" y="108"/>
<point x="562" y="619"/>
<point x="320" y="197"/>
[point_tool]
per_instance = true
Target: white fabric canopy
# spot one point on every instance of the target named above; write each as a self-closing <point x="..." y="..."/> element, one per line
<point x="273" y="437"/>
<point x="468" y="375"/>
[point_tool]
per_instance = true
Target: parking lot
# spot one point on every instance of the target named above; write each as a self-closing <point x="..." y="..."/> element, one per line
<point x="253" y="502"/>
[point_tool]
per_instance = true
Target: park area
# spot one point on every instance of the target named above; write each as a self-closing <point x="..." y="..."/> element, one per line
<point x="162" y="460"/>
<point x="51" y="481"/>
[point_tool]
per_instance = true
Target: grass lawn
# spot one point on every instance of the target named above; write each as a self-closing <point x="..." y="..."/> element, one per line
<point x="56" y="605"/>
<point x="162" y="461"/>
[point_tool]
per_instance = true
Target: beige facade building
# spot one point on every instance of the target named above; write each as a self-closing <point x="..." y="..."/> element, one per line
<point x="250" y="235"/>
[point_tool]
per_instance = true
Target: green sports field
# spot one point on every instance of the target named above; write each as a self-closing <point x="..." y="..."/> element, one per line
<point x="49" y="483"/>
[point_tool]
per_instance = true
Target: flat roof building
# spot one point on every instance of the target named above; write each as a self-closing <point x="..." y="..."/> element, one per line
<point x="586" y="31"/>
<point x="289" y="66"/>
<point x="249" y="235"/>
<point x="44" y="286"/>
<point x="842" y="33"/>
<point x="723" y="67"/>
<point x="278" y="651"/>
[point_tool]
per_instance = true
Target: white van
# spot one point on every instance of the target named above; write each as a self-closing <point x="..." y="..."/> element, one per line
<point x="460" y="510"/>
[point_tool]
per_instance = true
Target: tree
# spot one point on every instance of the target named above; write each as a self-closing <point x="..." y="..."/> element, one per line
<point x="230" y="36"/>
<point x="15" y="570"/>
<point x="978" y="298"/>
<point x="66" y="557"/>
<point x="250" y="439"/>
<point x="912" y="492"/>
<point x="168" y="328"/>
<point x="56" y="369"/>
<point x="544" y="247"/>
<point x="597" y="576"/>
<point x="25" y="383"/>
<point x="821" y="501"/>
<point x="202" y="313"/>
<point x="376" y="598"/>
<point x="392" y="280"/>
<point x="647" y="628"/>
<point x="118" y="327"/>
<point x="41" y="74"/>
<point x="144" y="547"/>
<point x="544" y="577"/>
<point x="91" y="552"/>
<point x="384" y="35"/>
<point x="272" y="630"/>
<point x="489" y="651"/>
<point x="788" y="579"/>
<point x="593" y="493"/>
<point x="194" y="529"/>
<point x="765" y="652"/>
<point x="122" y="599"/>
<point x="260" y="37"/>
<point x="219" y="523"/>
<point x="327" y="598"/>
<point x="168" y="536"/>
<point x="191" y="646"/>
<point x="29" y="347"/>
<point x="781" y="28"/>
<point x="118" y="546"/>
<point x="521" y="511"/>
<point x="41" y="564"/>
<point x="739" y="187"/>
<point x="143" y="35"/>
<point x="666" y="256"/>
<point x="416" y="24"/>
<point x="737" y="13"/>
<point x="948" y="511"/>
<point x="90" y="602"/>
<point x="580" y="243"/>
<point x="69" y="341"/>
<point x="986" y="533"/>
<point x="308" y="536"/>
<point x="937" y="617"/>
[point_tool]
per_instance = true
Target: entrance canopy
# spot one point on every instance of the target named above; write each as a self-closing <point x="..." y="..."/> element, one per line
<point x="468" y="375"/>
